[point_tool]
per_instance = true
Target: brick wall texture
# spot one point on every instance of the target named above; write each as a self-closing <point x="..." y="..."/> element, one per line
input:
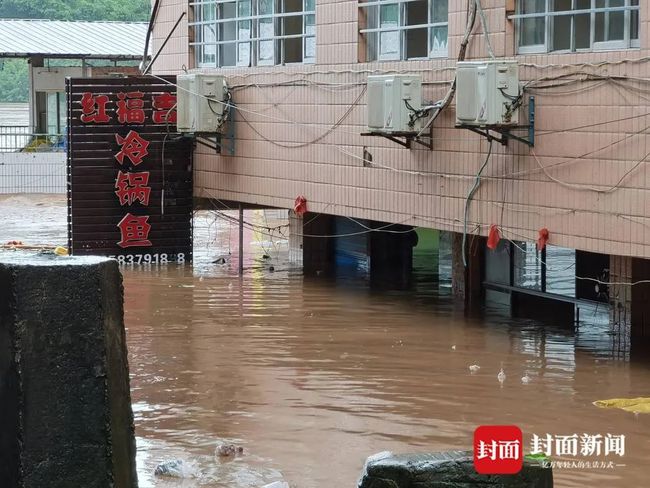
<point x="428" y="188"/>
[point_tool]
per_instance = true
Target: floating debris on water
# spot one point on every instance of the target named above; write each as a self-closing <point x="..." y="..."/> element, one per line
<point x="277" y="484"/>
<point x="474" y="368"/>
<point x="228" y="450"/>
<point x="176" y="468"/>
<point x="634" y="405"/>
<point x="501" y="376"/>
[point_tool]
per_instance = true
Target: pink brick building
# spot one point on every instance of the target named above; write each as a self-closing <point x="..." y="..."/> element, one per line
<point x="298" y="71"/>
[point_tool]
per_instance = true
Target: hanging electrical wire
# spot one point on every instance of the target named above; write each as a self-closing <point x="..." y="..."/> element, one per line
<point x="486" y="30"/>
<point x="442" y="104"/>
<point x="470" y="195"/>
<point x="341" y="119"/>
<point x="547" y="84"/>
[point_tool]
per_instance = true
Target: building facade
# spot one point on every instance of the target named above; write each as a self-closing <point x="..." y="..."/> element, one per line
<point x="298" y="70"/>
<point x="300" y="86"/>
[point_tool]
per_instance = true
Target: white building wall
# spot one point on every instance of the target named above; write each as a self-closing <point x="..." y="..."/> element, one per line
<point x="33" y="172"/>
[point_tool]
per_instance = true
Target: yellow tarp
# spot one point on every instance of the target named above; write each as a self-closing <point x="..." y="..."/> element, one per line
<point x="636" y="405"/>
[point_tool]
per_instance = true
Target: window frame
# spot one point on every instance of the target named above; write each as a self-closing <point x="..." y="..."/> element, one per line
<point x="254" y="39"/>
<point x="608" y="45"/>
<point x="372" y="36"/>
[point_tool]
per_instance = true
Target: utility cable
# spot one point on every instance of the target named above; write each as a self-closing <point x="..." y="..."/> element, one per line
<point x="315" y="140"/>
<point x="462" y="52"/>
<point x="486" y="30"/>
<point x="575" y="186"/>
<point x="582" y="278"/>
<point x="470" y="195"/>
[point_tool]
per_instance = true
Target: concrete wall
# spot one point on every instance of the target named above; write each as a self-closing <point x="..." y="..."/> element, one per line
<point x="53" y="79"/>
<point x="429" y="188"/>
<point x="33" y="172"/>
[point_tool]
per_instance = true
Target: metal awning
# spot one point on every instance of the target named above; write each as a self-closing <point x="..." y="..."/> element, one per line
<point x="72" y="39"/>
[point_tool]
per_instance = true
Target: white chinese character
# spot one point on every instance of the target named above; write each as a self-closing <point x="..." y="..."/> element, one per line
<point x="487" y="450"/>
<point x="590" y="445"/>
<point x="566" y="445"/>
<point x="615" y="444"/>
<point x="509" y="449"/>
<point x="541" y="445"/>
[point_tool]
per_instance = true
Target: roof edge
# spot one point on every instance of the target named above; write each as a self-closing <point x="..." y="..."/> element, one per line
<point x="78" y="21"/>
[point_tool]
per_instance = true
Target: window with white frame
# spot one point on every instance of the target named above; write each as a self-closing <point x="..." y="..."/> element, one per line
<point x="253" y="32"/>
<point x="576" y="25"/>
<point x="403" y="29"/>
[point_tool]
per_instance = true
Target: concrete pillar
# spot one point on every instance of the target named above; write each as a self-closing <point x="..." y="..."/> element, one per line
<point x="620" y="296"/>
<point x="391" y="254"/>
<point x="640" y="328"/>
<point x="65" y="413"/>
<point x="34" y="62"/>
<point x="295" y="238"/>
<point x="317" y="251"/>
<point x="457" y="267"/>
<point x="467" y="282"/>
<point x="592" y="265"/>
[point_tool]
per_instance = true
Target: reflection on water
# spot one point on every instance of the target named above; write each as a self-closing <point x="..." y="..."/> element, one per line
<point x="312" y="376"/>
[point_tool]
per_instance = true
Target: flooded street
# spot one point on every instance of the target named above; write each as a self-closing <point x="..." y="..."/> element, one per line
<point x="14" y="114"/>
<point x="311" y="376"/>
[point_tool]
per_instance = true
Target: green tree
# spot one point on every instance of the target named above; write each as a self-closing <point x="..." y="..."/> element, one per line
<point x="124" y="10"/>
<point x="13" y="80"/>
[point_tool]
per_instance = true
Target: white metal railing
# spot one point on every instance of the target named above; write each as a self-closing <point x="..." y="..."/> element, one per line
<point x="21" y="138"/>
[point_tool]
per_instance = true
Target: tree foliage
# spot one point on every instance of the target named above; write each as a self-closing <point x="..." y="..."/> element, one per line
<point x="124" y="10"/>
<point x="13" y="80"/>
<point x="13" y="73"/>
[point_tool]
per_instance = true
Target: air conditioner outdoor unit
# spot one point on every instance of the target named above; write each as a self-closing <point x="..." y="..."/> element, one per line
<point x="486" y="93"/>
<point x="392" y="102"/>
<point x="201" y="102"/>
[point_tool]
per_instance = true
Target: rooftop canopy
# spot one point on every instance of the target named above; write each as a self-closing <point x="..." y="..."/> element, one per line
<point x="72" y="39"/>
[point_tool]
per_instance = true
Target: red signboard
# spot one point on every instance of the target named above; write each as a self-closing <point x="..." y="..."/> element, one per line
<point x="129" y="173"/>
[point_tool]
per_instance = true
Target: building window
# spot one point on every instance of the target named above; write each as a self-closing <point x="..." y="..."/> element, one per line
<point x="253" y="32"/>
<point x="576" y="25"/>
<point x="403" y="29"/>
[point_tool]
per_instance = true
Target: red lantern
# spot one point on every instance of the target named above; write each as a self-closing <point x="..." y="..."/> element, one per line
<point x="493" y="237"/>
<point x="542" y="239"/>
<point x="300" y="205"/>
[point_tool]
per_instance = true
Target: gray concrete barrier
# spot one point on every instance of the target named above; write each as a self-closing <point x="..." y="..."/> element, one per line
<point x="452" y="469"/>
<point x="65" y="409"/>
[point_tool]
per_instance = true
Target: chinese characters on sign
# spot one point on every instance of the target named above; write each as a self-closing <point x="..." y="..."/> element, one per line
<point x="130" y="187"/>
<point x="119" y="131"/>
<point x="94" y="109"/>
<point x="134" y="231"/>
<point x="134" y="148"/>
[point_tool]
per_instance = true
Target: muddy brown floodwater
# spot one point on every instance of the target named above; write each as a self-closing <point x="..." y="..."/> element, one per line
<point x="312" y="376"/>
